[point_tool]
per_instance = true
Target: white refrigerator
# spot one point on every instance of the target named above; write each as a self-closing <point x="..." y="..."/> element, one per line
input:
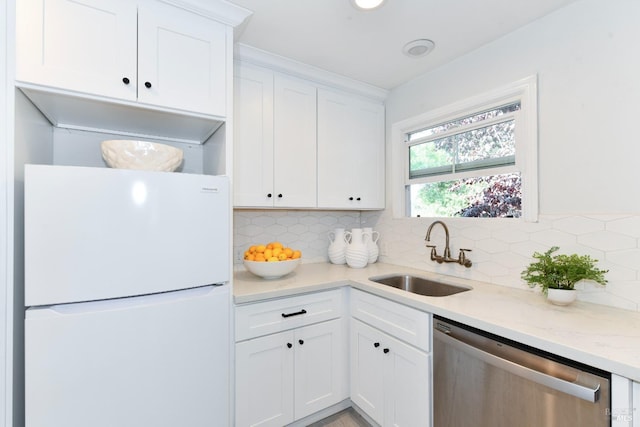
<point x="127" y="320"/>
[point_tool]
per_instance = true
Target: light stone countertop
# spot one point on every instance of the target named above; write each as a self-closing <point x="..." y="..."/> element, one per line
<point x="601" y="336"/>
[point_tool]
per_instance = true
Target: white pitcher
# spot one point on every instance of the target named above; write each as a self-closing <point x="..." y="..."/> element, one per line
<point x="357" y="254"/>
<point x="371" y="241"/>
<point x="338" y="246"/>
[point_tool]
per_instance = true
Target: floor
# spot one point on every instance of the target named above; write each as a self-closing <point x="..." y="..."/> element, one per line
<point x="347" y="418"/>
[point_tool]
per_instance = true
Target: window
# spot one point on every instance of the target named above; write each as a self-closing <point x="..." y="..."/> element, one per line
<point x="472" y="159"/>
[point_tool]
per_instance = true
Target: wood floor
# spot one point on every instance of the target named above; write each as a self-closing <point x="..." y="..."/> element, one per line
<point x="347" y="418"/>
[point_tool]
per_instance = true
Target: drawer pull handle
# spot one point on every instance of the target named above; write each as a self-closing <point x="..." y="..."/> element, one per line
<point x="385" y="351"/>
<point x="297" y="313"/>
<point x="301" y="342"/>
<point x="376" y="344"/>
<point x="289" y="345"/>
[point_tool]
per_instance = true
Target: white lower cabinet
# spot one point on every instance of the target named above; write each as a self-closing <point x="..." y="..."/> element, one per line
<point x="625" y="402"/>
<point x="298" y="355"/>
<point x="389" y="379"/>
<point x="286" y="376"/>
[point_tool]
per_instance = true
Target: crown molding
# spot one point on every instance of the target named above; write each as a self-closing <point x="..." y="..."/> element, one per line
<point x="251" y="55"/>
<point x="220" y="10"/>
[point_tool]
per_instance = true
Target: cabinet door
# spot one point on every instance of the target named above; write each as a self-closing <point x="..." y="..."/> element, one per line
<point x="81" y="45"/>
<point x="367" y="379"/>
<point x="264" y="381"/>
<point x="350" y="152"/>
<point x="407" y="385"/>
<point x="320" y="367"/>
<point x="181" y="59"/>
<point x="253" y="137"/>
<point x="294" y="143"/>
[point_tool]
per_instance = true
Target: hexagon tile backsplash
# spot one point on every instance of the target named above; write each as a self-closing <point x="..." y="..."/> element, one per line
<point x="307" y="231"/>
<point x="500" y="249"/>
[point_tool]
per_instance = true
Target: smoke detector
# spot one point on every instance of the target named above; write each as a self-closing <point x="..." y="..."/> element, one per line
<point x="418" y="48"/>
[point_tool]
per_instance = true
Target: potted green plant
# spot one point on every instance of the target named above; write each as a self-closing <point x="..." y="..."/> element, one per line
<point x="558" y="274"/>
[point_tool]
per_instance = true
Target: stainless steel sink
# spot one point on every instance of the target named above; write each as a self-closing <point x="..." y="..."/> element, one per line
<point x="419" y="285"/>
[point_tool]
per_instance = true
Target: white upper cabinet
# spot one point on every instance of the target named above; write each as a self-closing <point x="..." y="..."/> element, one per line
<point x="350" y="152"/>
<point x="275" y="140"/>
<point x="253" y="137"/>
<point x="139" y="51"/>
<point x="181" y="60"/>
<point x="295" y="143"/>
<point x="300" y="145"/>
<point x="86" y="45"/>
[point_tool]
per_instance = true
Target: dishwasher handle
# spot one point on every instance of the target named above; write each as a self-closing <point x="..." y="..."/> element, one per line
<point x="589" y="392"/>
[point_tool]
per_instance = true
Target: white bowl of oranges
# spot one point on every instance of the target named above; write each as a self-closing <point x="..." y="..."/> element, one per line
<point x="271" y="261"/>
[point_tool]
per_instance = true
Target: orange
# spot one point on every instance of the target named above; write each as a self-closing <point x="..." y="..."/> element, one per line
<point x="259" y="257"/>
<point x="260" y="248"/>
<point x="282" y="256"/>
<point x="272" y="259"/>
<point x="268" y="253"/>
<point x="252" y="248"/>
<point x="296" y="254"/>
<point x="288" y="252"/>
<point x="250" y="257"/>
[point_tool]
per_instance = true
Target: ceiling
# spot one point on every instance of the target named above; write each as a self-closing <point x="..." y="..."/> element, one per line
<point x="367" y="45"/>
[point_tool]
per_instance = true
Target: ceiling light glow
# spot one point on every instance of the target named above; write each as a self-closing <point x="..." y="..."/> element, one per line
<point x="367" y="4"/>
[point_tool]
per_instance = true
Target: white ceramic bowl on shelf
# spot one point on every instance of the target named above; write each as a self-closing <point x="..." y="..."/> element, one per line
<point x="140" y="155"/>
<point x="271" y="270"/>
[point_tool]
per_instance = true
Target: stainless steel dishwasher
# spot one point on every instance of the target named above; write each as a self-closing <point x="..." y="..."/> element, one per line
<point x="481" y="380"/>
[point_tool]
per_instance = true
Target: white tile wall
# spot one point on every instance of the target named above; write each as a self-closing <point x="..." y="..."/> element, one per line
<point x="307" y="231"/>
<point x="501" y="249"/>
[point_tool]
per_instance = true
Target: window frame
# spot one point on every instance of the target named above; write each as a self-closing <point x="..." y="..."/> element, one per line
<point x="526" y="134"/>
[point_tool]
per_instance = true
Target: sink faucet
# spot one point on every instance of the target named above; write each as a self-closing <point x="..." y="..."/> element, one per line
<point x="446" y="257"/>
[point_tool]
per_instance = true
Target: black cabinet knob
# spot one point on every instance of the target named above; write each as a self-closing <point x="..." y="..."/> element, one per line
<point x="300" y="342"/>
<point x="376" y="344"/>
<point x="385" y="351"/>
<point x="125" y="80"/>
<point x="147" y="85"/>
<point x="358" y="199"/>
<point x="350" y="198"/>
<point x="269" y="195"/>
<point x="289" y="345"/>
<point x="280" y="196"/>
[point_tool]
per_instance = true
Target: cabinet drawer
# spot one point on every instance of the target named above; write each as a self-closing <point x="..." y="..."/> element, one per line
<point x="262" y="318"/>
<point x="408" y="324"/>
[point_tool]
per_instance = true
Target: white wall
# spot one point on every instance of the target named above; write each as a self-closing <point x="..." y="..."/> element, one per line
<point x="588" y="70"/>
<point x="6" y="303"/>
<point x="585" y="56"/>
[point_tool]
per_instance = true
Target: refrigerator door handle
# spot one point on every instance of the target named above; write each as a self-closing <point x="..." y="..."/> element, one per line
<point x="119" y="303"/>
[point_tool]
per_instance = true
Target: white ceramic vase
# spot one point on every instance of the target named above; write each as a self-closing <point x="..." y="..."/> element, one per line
<point x="371" y="241"/>
<point x="357" y="254"/>
<point x="561" y="296"/>
<point x="338" y="246"/>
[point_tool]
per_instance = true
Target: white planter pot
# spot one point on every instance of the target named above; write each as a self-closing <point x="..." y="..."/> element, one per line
<point x="561" y="296"/>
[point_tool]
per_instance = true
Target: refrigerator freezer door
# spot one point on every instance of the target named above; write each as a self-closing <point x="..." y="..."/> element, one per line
<point x="98" y="233"/>
<point x="126" y="363"/>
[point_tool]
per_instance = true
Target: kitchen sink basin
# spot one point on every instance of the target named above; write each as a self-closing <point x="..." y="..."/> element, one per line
<point x="419" y="285"/>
